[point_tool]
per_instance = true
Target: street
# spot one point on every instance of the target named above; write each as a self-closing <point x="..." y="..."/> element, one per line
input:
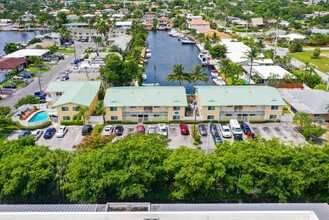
<point x="45" y="77"/>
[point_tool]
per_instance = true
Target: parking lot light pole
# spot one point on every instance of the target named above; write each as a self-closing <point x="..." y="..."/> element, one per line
<point x="39" y="76"/>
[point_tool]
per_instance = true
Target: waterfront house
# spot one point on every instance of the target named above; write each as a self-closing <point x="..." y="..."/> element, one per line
<point x="28" y="53"/>
<point x="313" y="102"/>
<point x="236" y="51"/>
<point x="193" y="17"/>
<point x="149" y="17"/>
<point x="56" y="37"/>
<point x="145" y="103"/>
<point x="164" y="23"/>
<point x="123" y="11"/>
<point x="210" y="32"/>
<point x="10" y="64"/>
<point x="198" y="24"/>
<point x="123" y="24"/>
<point x="66" y="97"/>
<point x="269" y="74"/>
<point x="80" y="30"/>
<point x="239" y="102"/>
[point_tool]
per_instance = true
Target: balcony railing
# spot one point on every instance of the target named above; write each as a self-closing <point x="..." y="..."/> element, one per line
<point x="242" y="112"/>
<point x="145" y="112"/>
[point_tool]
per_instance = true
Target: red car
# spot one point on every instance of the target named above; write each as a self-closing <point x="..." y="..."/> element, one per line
<point x="141" y="129"/>
<point x="184" y="129"/>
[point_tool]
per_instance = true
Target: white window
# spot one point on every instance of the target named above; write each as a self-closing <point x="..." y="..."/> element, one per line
<point x="66" y="118"/>
<point x="114" y="118"/>
<point x="210" y="117"/>
<point x="113" y="109"/>
<point x="76" y="109"/>
<point x="65" y="109"/>
<point x="274" y="107"/>
<point x="272" y="116"/>
<point x="176" y="117"/>
<point x="211" y="108"/>
<point x="176" y="108"/>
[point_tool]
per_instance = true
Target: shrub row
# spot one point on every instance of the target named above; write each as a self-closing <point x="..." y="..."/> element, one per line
<point x="67" y="123"/>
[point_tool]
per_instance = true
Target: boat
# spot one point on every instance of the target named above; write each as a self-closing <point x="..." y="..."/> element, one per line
<point x="219" y="81"/>
<point x="174" y="33"/>
<point x="203" y="58"/>
<point x="148" y="55"/>
<point x="146" y="61"/>
<point x="214" y="73"/>
<point x="148" y="50"/>
<point x="187" y="41"/>
<point x="144" y="76"/>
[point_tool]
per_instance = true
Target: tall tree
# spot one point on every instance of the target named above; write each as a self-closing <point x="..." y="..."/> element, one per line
<point x="178" y="74"/>
<point x="252" y="54"/>
<point x="197" y="74"/>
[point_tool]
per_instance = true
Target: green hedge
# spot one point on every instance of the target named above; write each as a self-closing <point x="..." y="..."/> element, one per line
<point x="67" y="123"/>
<point x="155" y="122"/>
<point x="32" y="127"/>
<point x="239" y="29"/>
<point x="264" y="121"/>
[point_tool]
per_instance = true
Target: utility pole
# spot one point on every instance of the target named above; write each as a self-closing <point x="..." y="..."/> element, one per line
<point x="276" y="42"/>
<point x="39" y="76"/>
<point x="75" y="55"/>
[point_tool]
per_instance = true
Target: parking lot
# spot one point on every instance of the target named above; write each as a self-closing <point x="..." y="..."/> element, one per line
<point x="282" y="131"/>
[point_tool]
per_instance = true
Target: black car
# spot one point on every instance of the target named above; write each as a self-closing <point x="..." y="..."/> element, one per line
<point x="87" y="130"/>
<point x="119" y="130"/>
<point x="49" y="133"/>
<point x="238" y="137"/>
<point x="10" y="86"/>
<point x="202" y="130"/>
<point x="213" y="128"/>
<point x="245" y="128"/>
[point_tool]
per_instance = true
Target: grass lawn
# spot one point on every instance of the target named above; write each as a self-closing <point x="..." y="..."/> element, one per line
<point x="35" y="70"/>
<point x="67" y="51"/>
<point x="306" y="56"/>
<point x="18" y="84"/>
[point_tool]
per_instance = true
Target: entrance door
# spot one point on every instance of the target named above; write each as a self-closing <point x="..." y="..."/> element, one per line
<point x="140" y="119"/>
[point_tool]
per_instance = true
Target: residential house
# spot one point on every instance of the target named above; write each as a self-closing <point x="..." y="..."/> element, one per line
<point x="313" y="102"/>
<point x="56" y="37"/>
<point x="236" y="51"/>
<point x="239" y="102"/>
<point x="123" y="11"/>
<point x="123" y="24"/>
<point x="164" y="23"/>
<point x="257" y="22"/>
<point x="290" y="37"/>
<point x="68" y="96"/>
<point x="149" y="17"/>
<point x="269" y="74"/>
<point x="10" y="64"/>
<point x="80" y="30"/>
<point x="109" y="11"/>
<point x="193" y="17"/>
<point x="28" y="53"/>
<point x="145" y="103"/>
<point x="199" y="24"/>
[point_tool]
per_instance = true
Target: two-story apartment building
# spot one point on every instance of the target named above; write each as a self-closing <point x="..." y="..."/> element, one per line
<point x="239" y="102"/>
<point x="67" y="97"/>
<point x="145" y="103"/>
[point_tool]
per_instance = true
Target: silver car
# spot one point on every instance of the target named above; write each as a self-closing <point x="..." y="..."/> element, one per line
<point x="37" y="134"/>
<point x="62" y="130"/>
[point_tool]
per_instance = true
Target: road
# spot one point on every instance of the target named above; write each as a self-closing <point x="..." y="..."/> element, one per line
<point x="45" y="77"/>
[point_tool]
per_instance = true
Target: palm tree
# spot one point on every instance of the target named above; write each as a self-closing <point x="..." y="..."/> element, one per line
<point x="178" y="74"/>
<point x="225" y="68"/>
<point x="197" y="74"/>
<point x="83" y="113"/>
<point x="100" y="109"/>
<point x="252" y="54"/>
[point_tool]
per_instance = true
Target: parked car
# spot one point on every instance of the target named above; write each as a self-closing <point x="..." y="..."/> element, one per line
<point x="213" y="128"/>
<point x="217" y="138"/>
<point x="62" y="130"/>
<point x="24" y="133"/>
<point x="65" y="78"/>
<point x="238" y="137"/>
<point x="108" y="130"/>
<point x="245" y="128"/>
<point x="25" y="74"/>
<point x="67" y="72"/>
<point x="40" y="94"/>
<point x="46" y="59"/>
<point x="141" y="129"/>
<point x="10" y="86"/>
<point x="49" y="133"/>
<point x="59" y="56"/>
<point x="202" y="130"/>
<point x="184" y="129"/>
<point x="76" y="66"/>
<point x="162" y="129"/>
<point x="87" y="130"/>
<point x="37" y="134"/>
<point x="118" y="130"/>
<point x="235" y="127"/>
<point x="151" y="129"/>
<point x="226" y="131"/>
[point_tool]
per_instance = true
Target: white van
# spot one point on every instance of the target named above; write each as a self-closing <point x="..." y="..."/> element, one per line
<point x="235" y="127"/>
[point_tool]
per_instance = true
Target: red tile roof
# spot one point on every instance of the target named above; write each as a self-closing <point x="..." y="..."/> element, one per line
<point x="199" y="22"/>
<point x="11" y="63"/>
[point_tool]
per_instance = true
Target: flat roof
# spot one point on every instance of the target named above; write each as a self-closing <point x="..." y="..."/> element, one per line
<point x="75" y="92"/>
<point x="239" y="95"/>
<point x="265" y="211"/>
<point x="267" y="71"/>
<point x="309" y="101"/>
<point x="123" y="23"/>
<point x="27" y="53"/>
<point x="145" y="96"/>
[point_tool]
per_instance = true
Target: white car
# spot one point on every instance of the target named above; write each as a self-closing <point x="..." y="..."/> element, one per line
<point x="226" y="131"/>
<point x="162" y="129"/>
<point x="62" y="130"/>
<point x="108" y="130"/>
<point x="151" y="129"/>
<point x="37" y="134"/>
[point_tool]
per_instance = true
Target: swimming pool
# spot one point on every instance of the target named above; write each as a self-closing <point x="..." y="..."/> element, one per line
<point x="39" y="116"/>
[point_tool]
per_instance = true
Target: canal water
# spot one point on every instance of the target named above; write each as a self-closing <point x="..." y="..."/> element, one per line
<point x="14" y="36"/>
<point x="167" y="51"/>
